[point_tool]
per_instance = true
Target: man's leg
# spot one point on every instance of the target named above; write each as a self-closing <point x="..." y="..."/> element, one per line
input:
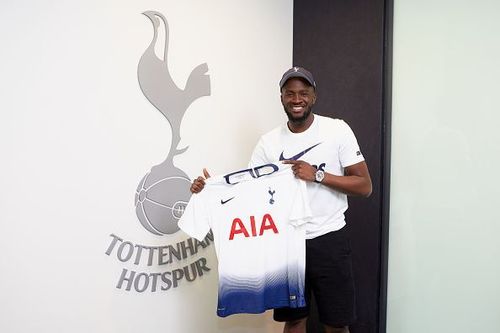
<point x="296" y="326"/>
<point x="331" y="280"/>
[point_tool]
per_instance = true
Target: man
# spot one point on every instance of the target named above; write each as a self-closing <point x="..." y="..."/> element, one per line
<point x="323" y="152"/>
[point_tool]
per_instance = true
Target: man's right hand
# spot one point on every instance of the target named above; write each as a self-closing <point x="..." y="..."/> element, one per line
<point x="199" y="183"/>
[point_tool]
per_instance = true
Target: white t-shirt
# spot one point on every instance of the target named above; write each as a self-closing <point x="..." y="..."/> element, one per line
<point x="330" y="145"/>
<point x="259" y="236"/>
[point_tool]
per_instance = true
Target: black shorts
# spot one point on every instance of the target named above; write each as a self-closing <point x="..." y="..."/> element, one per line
<point x="329" y="276"/>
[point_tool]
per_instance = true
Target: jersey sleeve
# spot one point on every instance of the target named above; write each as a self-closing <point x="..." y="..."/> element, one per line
<point x="300" y="212"/>
<point x="195" y="220"/>
<point x="349" y="151"/>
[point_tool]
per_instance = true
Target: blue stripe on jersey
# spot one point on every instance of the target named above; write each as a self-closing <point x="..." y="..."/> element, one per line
<point x="244" y="297"/>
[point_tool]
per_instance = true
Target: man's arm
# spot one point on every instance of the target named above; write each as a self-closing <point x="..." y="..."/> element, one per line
<point x="355" y="182"/>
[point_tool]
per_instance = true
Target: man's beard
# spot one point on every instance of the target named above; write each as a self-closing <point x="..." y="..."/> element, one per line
<point x="298" y="120"/>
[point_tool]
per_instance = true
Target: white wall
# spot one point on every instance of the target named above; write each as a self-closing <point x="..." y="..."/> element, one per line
<point x="444" y="222"/>
<point x="77" y="135"/>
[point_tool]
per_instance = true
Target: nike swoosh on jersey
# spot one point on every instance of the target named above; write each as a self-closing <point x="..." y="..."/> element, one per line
<point x="299" y="155"/>
<point x="225" y="201"/>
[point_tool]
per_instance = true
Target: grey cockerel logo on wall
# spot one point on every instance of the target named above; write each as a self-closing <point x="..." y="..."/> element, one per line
<point x="163" y="192"/>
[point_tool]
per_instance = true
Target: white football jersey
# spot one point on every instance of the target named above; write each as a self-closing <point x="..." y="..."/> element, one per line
<point x="258" y="218"/>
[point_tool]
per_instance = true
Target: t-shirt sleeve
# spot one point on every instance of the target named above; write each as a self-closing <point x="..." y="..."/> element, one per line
<point x="195" y="220"/>
<point x="258" y="155"/>
<point x="349" y="151"/>
<point x="300" y="212"/>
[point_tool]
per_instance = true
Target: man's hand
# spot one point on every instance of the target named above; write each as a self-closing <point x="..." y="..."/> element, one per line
<point x="355" y="182"/>
<point x="302" y="170"/>
<point x="199" y="183"/>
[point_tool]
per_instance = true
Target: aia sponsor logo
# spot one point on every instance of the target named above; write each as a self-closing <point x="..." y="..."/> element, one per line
<point x="249" y="229"/>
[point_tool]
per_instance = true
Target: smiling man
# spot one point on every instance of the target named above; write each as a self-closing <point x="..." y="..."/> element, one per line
<point x="325" y="153"/>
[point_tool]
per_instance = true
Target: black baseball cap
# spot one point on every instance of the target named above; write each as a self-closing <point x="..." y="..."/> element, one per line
<point x="298" y="72"/>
